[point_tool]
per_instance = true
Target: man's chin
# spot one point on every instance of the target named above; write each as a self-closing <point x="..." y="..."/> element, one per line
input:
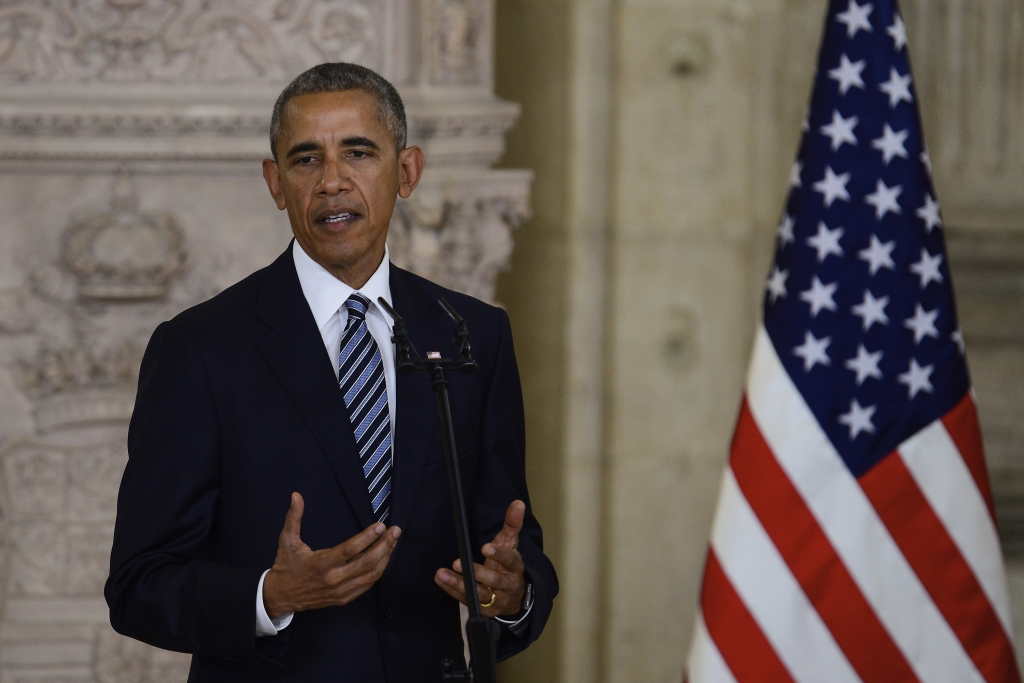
<point x="344" y="251"/>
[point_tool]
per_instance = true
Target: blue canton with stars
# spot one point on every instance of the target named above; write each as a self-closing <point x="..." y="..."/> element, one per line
<point x="859" y="304"/>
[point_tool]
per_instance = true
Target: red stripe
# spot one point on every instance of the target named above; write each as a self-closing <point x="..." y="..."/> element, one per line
<point x="812" y="559"/>
<point x="921" y="536"/>
<point x="739" y="639"/>
<point x="962" y="425"/>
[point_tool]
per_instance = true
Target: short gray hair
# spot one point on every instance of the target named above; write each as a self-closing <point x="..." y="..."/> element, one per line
<point x="339" y="77"/>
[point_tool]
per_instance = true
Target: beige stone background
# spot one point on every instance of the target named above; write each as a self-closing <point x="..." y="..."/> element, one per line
<point x="658" y="136"/>
<point x="661" y="133"/>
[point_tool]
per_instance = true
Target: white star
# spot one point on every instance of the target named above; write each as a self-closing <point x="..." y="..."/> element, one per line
<point x="855" y="17"/>
<point x="917" y="378"/>
<point x="785" y="231"/>
<point x="922" y="323"/>
<point x="926" y="159"/>
<point x="806" y="125"/>
<point x="872" y="310"/>
<point x="833" y="186"/>
<point x="819" y="296"/>
<point x="897" y="88"/>
<point x="794" y="174"/>
<point x="878" y="255"/>
<point x="927" y="268"/>
<point x="929" y="213"/>
<point x="848" y="74"/>
<point x="865" y="364"/>
<point x="826" y="241"/>
<point x="777" y="284"/>
<point x="884" y="199"/>
<point x="958" y="338"/>
<point x="898" y="32"/>
<point x="840" y="130"/>
<point x="858" y="419"/>
<point x="891" y="144"/>
<point x="813" y="351"/>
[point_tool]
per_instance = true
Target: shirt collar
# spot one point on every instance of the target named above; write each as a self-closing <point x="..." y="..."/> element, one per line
<point x="325" y="293"/>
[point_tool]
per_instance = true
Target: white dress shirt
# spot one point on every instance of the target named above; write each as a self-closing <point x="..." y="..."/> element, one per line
<point x="326" y="296"/>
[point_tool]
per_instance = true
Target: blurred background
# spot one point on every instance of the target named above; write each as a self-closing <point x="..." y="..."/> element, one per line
<point x="610" y="171"/>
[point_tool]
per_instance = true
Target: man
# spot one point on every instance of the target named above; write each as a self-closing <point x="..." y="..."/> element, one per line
<point x="285" y="513"/>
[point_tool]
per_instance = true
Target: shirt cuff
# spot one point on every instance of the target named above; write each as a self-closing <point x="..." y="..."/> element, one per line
<point x="518" y="627"/>
<point x="265" y="626"/>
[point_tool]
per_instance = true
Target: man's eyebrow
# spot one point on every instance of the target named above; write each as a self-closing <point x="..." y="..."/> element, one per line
<point x="359" y="141"/>
<point x="303" y="147"/>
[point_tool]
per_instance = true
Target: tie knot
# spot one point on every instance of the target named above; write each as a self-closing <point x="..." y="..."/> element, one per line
<point x="357" y="305"/>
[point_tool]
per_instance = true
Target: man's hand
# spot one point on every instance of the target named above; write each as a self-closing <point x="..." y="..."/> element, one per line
<point x="303" y="579"/>
<point x="501" y="576"/>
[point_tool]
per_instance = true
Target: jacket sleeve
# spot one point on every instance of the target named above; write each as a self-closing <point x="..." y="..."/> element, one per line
<point x="503" y="479"/>
<point x="163" y="589"/>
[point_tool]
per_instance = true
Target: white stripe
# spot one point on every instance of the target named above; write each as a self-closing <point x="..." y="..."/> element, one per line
<point x="942" y="475"/>
<point x="706" y="664"/>
<point x="851" y="524"/>
<point x="770" y="592"/>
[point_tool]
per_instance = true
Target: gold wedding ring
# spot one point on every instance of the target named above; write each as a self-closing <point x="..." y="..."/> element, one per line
<point x="494" y="596"/>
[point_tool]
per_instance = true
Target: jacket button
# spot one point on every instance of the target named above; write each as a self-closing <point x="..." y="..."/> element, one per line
<point x="386" y="614"/>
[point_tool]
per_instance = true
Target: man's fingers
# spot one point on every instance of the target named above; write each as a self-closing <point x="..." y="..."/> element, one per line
<point x="378" y="554"/>
<point x="351" y="579"/>
<point x="452" y="584"/>
<point x="509" y="534"/>
<point x="498" y="579"/>
<point x="293" y="519"/>
<point x="455" y="585"/>
<point x="509" y="559"/>
<point x="490" y="578"/>
<point x="343" y="552"/>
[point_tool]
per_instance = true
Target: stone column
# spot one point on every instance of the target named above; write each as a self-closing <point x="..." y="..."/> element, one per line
<point x="131" y="134"/>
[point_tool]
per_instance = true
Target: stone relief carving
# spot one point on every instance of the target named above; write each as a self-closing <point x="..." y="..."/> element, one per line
<point x="168" y="88"/>
<point x="204" y="41"/>
<point x="120" y="124"/>
<point x="123" y="253"/>
<point x="461" y="236"/>
<point x="81" y="318"/>
<point x="456" y="41"/>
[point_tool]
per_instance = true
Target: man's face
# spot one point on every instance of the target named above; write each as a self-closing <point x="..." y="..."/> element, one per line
<point x="338" y="175"/>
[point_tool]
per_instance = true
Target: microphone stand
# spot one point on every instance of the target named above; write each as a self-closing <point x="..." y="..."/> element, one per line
<point x="482" y="633"/>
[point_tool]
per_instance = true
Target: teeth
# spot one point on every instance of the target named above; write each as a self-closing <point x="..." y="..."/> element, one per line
<point x="337" y="217"/>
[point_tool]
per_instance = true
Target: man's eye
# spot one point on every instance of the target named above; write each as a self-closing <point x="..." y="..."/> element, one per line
<point x="305" y="160"/>
<point x="358" y="154"/>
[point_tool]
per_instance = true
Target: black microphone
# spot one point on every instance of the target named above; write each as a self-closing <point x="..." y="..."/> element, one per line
<point x="468" y="366"/>
<point x="404" y="364"/>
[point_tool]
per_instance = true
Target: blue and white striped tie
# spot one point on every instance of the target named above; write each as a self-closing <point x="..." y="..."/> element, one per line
<point x="361" y="379"/>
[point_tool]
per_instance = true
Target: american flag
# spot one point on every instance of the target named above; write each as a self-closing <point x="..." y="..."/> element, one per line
<point x="854" y="538"/>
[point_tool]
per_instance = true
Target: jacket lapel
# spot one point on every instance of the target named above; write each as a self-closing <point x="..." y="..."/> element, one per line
<point x="417" y="420"/>
<point x="295" y="352"/>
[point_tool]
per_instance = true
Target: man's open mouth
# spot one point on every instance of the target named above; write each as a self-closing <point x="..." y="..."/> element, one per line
<point x="334" y="217"/>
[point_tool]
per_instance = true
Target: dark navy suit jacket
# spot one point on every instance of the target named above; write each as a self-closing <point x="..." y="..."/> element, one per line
<point x="237" y="407"/>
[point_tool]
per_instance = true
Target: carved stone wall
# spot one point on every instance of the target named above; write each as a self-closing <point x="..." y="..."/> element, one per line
<point x="131" y="133"/>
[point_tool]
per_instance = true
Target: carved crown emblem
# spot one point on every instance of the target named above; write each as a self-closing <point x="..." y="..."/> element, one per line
<point x="123" y="253"/>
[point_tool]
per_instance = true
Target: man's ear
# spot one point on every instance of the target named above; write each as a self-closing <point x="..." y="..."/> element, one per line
<point x="410" y="168"/>
<point x="272" y="174"/>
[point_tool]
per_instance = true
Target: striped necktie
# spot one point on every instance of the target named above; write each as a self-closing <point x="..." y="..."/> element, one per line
<point x="361" y="379"/>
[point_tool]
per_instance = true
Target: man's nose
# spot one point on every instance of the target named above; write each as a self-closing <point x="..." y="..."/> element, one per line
<point x="336" y="177"/>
